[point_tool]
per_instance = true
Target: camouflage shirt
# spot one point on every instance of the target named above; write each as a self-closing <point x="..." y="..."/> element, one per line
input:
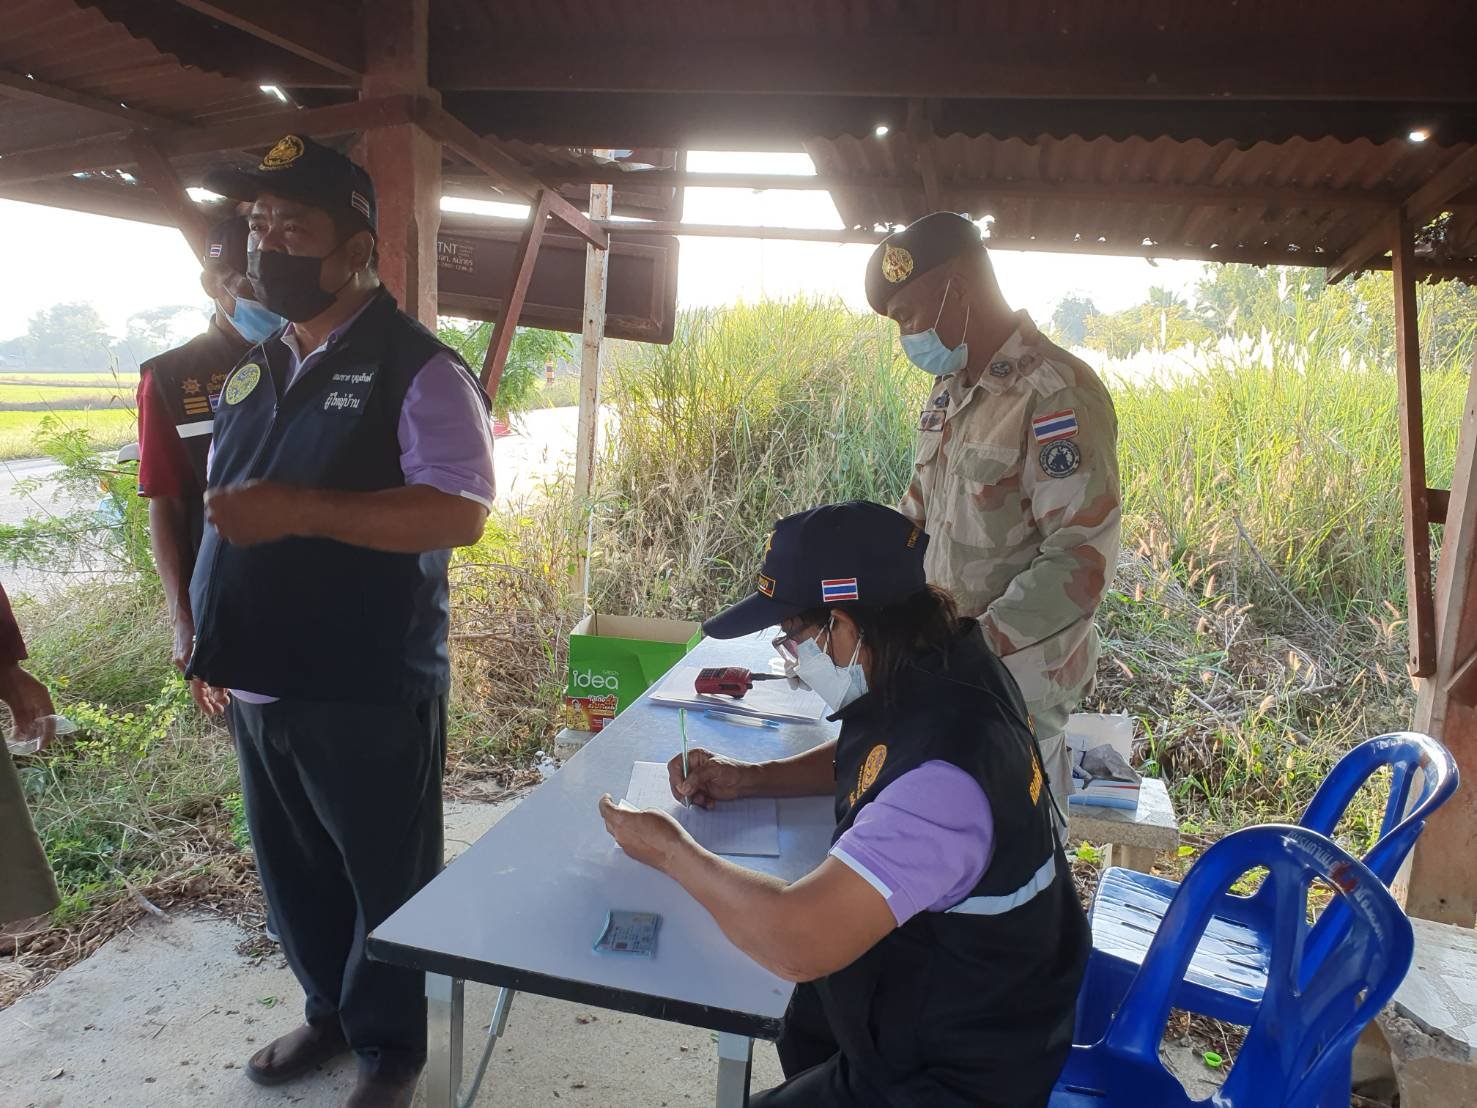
<point x="1016" y="483"/>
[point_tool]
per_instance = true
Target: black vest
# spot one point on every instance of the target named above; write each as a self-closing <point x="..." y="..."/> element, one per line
<point x="188" y="382"/>
<point x="956" y="1008"/>
<point x="315" y="619"/>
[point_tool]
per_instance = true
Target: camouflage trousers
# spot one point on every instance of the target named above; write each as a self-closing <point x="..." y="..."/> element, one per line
<point x="1050" y="723"/>
<point x="26" y="885"/>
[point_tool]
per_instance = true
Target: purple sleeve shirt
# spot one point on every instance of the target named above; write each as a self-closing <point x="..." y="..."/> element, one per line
<point x="924" y="842"/>
<point x="445" y="434"/>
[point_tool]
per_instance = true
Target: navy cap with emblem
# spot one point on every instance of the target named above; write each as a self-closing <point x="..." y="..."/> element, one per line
<point x="903" y="257"/>
<point x="856" y="552"/>
<point x="225" y="245"/>
<point x="301" y="169"/>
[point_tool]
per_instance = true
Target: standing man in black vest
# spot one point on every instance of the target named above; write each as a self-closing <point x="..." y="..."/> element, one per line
<point x="178" y="392"/>
<point x="351" y="453"/>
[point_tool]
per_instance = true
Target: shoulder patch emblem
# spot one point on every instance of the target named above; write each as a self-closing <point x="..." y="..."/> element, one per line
<point x="1001" y="368"/>
<point x="1057" y="425"/>
<point x="897" y="264"/>
<point x="239" y="387"/>
<point x="287" y="149"/>
<point x="870" y="768"/>
<point x="931" y="419"/>
<point x="1060" y="458"/>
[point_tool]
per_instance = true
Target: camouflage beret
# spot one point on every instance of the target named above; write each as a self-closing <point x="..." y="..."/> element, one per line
<point x="910" y="253"/>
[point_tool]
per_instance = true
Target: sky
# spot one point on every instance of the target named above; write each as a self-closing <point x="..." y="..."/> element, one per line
<point x="50" y="256"/>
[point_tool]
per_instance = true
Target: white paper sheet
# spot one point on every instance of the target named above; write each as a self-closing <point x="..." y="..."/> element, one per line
<point x="749" y="826"/>
<point x="767" y="699"/>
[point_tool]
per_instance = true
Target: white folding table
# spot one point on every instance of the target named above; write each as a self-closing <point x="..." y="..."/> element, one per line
<point x="522" y="908"/>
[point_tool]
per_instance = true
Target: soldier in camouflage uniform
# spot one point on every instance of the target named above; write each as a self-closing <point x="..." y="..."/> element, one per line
<point x="1016" y="478"/>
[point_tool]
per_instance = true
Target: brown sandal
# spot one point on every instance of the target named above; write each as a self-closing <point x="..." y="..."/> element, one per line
<point x="299" y="1052"/>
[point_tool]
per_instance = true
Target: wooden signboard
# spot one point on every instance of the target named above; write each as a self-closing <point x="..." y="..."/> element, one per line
<point x="474" y="264"/>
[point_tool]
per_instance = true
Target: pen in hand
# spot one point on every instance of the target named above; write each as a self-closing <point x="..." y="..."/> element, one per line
<point x="682" y="722"/>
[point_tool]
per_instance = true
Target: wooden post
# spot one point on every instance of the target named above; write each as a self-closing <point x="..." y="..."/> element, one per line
<point x="1412" y="452"/>
<point x="404" y="160"/>
<point x="1443" y="876"/>
<point x="155" y="171"/>
<point x="592" y="345"/>
<point x="512" y="305"/>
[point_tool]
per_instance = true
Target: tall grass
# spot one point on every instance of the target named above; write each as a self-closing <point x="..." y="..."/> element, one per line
<point x="751" y="414"/>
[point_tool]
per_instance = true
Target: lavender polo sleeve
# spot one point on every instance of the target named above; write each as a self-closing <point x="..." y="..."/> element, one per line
<point x="924" y="842"/>
<point x="445" y="433"/>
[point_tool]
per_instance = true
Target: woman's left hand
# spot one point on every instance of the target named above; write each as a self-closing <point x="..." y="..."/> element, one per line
<point x="651" y="837"/>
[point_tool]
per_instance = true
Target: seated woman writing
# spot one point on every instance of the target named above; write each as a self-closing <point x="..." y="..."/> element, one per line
<point x="940" y="945"/>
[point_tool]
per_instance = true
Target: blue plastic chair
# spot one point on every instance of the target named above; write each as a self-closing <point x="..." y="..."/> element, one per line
<point x="1226" y="976"/>
<point x="1306" y="1022"/>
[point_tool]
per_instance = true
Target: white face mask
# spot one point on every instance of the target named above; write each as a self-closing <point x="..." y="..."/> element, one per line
<point x="837" y="685"/>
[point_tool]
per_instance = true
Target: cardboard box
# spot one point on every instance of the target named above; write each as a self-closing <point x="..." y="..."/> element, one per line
<point x="614" y="659"/>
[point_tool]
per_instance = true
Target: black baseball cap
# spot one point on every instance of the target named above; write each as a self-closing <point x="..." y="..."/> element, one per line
<point x="838" y="554"/>
<point x="304" y="170"/>
<point x="903" y="257"/>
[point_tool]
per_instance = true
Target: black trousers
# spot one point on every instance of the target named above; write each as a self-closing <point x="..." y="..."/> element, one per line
<point x="344" y="806"/>
<point x="819" y="1075"/>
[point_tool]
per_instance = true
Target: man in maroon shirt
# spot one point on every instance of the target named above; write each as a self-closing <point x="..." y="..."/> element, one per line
<point x="26" y="885"/>
<point x="177" y="396"/>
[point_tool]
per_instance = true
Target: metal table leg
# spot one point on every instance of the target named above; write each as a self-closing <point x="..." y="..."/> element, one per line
<point x="445" y="1002"/>
<point x="735" y="1059"/>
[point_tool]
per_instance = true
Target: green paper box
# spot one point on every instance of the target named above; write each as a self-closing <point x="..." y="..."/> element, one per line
<point x="614" y="659"/>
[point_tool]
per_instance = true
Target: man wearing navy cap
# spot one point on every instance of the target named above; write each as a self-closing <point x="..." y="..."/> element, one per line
<point x="352" y="451"/>
<point x="1016" y="478"/>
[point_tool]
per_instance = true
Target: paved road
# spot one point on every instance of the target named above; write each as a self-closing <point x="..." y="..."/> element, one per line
<point x="542" y="443"/>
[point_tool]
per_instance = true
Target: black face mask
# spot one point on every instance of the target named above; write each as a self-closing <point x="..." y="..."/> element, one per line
<point x="288" y="284"/>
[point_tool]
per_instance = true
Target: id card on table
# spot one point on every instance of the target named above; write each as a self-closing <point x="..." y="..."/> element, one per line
<point x="629" y="933"/>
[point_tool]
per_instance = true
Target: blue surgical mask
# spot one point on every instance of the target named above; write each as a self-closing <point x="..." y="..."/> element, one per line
<point x="927" y="351"/>
<point x="837" y="685"/>
<point x="253" y="322"/>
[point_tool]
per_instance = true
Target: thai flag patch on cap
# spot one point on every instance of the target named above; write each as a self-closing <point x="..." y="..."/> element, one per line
<point x="216" y="248"/>
<point x="1058" y="425"/>
<point x="843" y="588"/>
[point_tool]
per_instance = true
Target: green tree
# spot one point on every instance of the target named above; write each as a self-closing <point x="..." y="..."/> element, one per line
<point x="67" y="336"/>
<point x="524" y="370"/>
<point x="1069" y="320"/>
<point x="156" y="330"/>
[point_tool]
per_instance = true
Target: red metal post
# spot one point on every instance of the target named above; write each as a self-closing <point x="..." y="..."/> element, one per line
<point x="512" y="305"/>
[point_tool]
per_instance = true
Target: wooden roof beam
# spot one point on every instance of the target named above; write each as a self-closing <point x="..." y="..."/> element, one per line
<point x="118" y="153"/>
<point x="900" y="63"/>
<point x="502" y="167"/>
<point x="20" y="86"/>
<point x="1382" y="200"/>
<point x="325" y="32"/>
<point x="1457" y="176"/>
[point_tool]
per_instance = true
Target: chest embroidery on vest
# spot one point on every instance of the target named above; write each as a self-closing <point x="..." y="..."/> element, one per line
<point x="191" y="400"/>
<point x="869" y="771"/>
<point x="1036" y="778"/>
<point x="217" y="382"/>
<point x="239" y="387"/>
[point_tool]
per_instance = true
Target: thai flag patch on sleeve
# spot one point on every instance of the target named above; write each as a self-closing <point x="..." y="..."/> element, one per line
<point x="216" y="248"/>
<point x="1058" y="425"/>
<point x="843" y="588"/>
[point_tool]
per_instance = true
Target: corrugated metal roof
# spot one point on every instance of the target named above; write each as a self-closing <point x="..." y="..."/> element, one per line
<point x="1043" y="189"/>
<point x="1094" y="175"/>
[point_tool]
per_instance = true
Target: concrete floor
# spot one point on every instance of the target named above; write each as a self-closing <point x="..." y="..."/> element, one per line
<point x="166" y="1014"/>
